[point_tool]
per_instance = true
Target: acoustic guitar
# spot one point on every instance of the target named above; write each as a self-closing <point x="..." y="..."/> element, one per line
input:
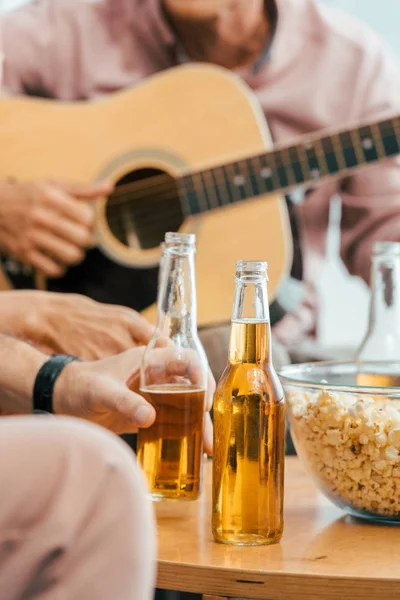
<point x="185" y="149"/>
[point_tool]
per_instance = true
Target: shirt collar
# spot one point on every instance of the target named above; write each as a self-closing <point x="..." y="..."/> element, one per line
<point x="265" y="54"/>
<point x="159" y="23"/>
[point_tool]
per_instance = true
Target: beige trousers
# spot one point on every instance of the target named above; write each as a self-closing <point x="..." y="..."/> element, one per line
<point x="75" y="523"/>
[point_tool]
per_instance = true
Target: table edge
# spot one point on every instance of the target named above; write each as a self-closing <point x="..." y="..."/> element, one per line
<point x="273" y="585"/>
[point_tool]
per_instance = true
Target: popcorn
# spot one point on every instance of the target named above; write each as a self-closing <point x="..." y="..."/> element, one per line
<point x="353" y="446"/>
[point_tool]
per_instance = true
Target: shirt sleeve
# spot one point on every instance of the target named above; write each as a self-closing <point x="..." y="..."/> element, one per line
<point x="44" y="44"/>
<point x="371" y="197"/>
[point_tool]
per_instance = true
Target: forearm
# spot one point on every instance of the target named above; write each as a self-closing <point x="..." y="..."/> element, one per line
<point x="20" y="364"/>
<point x="9" y="218"/>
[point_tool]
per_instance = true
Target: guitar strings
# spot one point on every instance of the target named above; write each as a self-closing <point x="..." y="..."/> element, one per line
<point x="125" y="194"/>
<point x="146" y="215"/>
<point x="147" y="223"/>
<point x="162" y="178"/>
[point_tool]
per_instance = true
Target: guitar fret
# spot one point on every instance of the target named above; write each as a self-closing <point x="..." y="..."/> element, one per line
<point x="356" y="140"/>
<point x="217" y="190"/>
<point x="259" y="179"/>
<point x="188" y="193"/>
<point x="376" y="135"/>
<point x="209" y="193"/>
<point x="321" y="157"/>
<point x="299" y="176"/>
<point x="212" y="188"/>
<point x="225" y="187"/>
<point x="252" y="177"/>
<point x="230" y="175"/>
<point x="304" y="162"/>
<point x="245" y="172"/>
<point x="248" y="183"/>
<point x="289" y="168"/>
<point x="239" y="181"/>
<point x="201" y="192"/>
<point x="281" y="169"/>
<point x="184" y="194"/>
<point x="330" y="155"/>
<point x="389" y="138"/>
<point x="202" y="200"/>
<point x="274" y="171"/>
<point x="227" y="184"/>
<point x="266" y="173"/>
<point x="203" y="203"/>
<point x="285" y="171"/>
<point x="368" y="143"/>
<point x="348" y="151"/>
<point x="314" y="165"/>
<point x="339" y="152"/>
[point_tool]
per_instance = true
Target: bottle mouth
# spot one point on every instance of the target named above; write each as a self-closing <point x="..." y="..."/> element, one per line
<point x="179" y="242"/>
<point x="253" y="270"/>
<point x="386" y="249"/>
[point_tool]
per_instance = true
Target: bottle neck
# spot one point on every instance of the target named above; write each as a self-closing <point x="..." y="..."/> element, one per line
<point x="385" y="296"/>
<point x="177" y="308"/>
<point x="250" y="340"/>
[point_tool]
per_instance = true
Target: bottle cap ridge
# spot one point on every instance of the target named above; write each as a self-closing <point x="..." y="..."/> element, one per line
<point x="386" y="248"/>
<point x="252" y="270"/>
<point x="179" y="243"/>
<point x="180" y="238"/>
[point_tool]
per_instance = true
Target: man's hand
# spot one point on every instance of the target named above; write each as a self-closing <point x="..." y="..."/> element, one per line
<point x="48" y="225"/>
<point x="72" y="324"/>
<point x="106" y="392"/>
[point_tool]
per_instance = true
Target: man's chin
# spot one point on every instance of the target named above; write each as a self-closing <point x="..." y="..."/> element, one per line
<point x="197" y="10"/>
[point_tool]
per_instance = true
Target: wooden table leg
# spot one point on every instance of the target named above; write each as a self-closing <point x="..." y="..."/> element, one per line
<point x="214" y="598"/>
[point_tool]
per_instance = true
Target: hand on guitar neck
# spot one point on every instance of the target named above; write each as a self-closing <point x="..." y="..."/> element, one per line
<point x="48" y="225"/>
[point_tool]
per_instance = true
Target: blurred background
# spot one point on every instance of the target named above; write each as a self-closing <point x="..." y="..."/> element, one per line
<point x="338" y="326"/>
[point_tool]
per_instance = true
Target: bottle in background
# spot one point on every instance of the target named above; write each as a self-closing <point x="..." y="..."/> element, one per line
<point x="174" y="380"/>
<point x="382" y="341"/>
<point x="249" y="423"/>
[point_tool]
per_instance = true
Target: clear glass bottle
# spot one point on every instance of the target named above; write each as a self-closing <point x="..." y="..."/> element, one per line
<point x="382" y="340"/>
<point x="173" y="379"/>
<point x="249" y="423"/>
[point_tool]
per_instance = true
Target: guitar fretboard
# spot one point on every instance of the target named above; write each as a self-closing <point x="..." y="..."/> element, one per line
<point x="285" y="168"/>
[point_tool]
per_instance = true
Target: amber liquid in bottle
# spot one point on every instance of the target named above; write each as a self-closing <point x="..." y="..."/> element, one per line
<point x="377" y="380"/>
<point x="170" y="451"/>
<point x="249" y="432"/>
<point x="173" y="378"/>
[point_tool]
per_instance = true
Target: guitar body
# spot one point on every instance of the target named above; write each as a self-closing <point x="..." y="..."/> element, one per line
<point x="187" y="118"/>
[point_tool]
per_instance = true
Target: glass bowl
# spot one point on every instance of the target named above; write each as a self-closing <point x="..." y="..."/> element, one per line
<point x="345" y="424"/>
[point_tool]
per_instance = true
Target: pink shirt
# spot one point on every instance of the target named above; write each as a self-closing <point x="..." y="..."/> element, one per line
<point x="324" y="70"/>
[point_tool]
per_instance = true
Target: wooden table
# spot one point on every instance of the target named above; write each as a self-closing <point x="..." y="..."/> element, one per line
<point x="324" y="554"/>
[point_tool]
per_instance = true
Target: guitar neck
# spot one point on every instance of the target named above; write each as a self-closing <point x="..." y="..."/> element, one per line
<point x="285" y="168"/>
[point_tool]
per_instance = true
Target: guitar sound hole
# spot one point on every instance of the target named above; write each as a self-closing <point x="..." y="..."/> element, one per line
<point x="143" y="207"/>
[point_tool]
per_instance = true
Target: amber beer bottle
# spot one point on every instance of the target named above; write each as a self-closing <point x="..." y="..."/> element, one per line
<point x="173" y="379"/>
<point x="249" y="423"/>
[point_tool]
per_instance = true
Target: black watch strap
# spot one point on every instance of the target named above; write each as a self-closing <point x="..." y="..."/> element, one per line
<point x="45" y="380"/>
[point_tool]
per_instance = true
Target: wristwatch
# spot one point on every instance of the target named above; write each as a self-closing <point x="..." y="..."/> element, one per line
<point x="45" y="381"/>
